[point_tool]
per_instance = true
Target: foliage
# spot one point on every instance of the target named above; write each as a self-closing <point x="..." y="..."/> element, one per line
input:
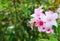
<point x="15" y="16"/>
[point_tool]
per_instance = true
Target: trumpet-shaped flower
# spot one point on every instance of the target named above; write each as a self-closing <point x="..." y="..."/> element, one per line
<point x="51" y="18"/>
<point x="49" y="30"/>
<point x="44" y="21"/>
<point x="40" y="24"/>
<point x="37" y="12"/>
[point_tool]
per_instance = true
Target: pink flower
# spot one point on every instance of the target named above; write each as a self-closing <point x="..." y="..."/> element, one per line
<point x="49" y="30"/>
<point x="44" y="21"/>
<point x="36" y="15"/>
<point x="51" y="18"/>
<point x="37" y="12"/>
<point x="40" y="24"/>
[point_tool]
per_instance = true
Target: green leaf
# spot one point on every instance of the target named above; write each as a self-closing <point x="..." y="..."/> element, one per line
<point x="52" y="38"/>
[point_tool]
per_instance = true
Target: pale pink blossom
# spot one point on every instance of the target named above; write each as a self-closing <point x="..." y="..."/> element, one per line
<point x="31" y="23"/>
<point x="43" y="21"/>
<point x="37" y="12"/>
<point x="51" y="18"/>
<point x="49" y="30"/>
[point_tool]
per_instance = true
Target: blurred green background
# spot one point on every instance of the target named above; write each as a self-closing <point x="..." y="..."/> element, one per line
<point x="15" y="16"/>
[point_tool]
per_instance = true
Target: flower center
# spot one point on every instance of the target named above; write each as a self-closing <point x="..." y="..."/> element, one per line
<point x="49" y="19"/>
<point x="48" y="30"/>
<point x="41" y="23"/>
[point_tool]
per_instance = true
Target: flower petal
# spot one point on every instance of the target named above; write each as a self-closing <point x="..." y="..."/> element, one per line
<point x="40" y="29"/>
<point x="55" y="15"/>
<point x="54" y="23"/>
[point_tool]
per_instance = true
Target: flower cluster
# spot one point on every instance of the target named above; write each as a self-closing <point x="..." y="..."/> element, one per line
<point x="44" y="20"/>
